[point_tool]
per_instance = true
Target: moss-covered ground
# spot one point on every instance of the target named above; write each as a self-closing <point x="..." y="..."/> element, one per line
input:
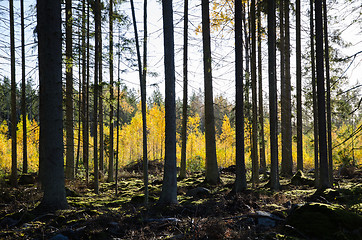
<point x="219" y="214"/>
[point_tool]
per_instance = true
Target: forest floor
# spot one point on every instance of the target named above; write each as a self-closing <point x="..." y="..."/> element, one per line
<point x="203" y="212"/>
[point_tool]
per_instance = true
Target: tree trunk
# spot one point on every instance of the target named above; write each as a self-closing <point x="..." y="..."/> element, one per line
<point x="169" y="186"/>
<point x="261" y="110"/>
<point x="212" y="172"/>
<point x="69" y="169"/>
<point x="51" y="163"/>
<point x="324" y="175"/>
<point x="86" y="98"/>
<point x="111" y="145"/>
<point x="143" y="103"/>
<point x="273" y="105"/>
<point x="240" y="181"/>
<point x="328" y="97"/>
<point x="185" y="97"/>
<point x="14" y="168"/>
<point x="254" y="149"/>
<point x="100" y="94"/>
<point x="95" y="98"/>
<point x="299" y="90"/>
<point x="23" y="87"/>
<point x="315" y="106"/>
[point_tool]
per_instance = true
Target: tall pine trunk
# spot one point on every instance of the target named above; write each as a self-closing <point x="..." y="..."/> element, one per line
<point x="324" y="169"/>
<point x="23" y="87"/>
<point x="299" y="90"/>
<point x="111" y="125"/>
<point x="169" y="186"/>
<point x="273" y="105"/>
<point x="69" y="169"/>
<point x="314" y="92"/>
<point x="328" y="97"/>
<point x="14" y="163"/>
<point x="51" y="162"/>
<point x="240" y="180"/>
<point x="261" y="110"/>
<point x="212" y="172"/>
<point x="254" y="149"/>
<point x="185" y="96"/>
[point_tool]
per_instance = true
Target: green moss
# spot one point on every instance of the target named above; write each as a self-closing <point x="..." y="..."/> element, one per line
<point x="325" y="221"/>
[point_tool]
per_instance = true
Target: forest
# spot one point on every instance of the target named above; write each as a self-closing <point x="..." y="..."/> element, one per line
<point x="225" y="119"/>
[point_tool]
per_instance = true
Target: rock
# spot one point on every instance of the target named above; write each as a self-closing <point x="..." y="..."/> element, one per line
<point x="59" y="237"/>
<point x="71" y="193"/>
<point x="299" y="179"/>
<point x="324" y="221"/>
<point x="199" y="192"/>
<point x="26" y="179"/>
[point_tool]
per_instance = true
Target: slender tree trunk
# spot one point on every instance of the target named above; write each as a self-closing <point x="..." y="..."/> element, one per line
<point x="261" y="110"/>
<point x="111" y="138"/>
<point x="96" y="75"/>
<point x="315" y="106"/>
<point x="23" y="87"/>
<point x="14" y="167"/>
<point x="273" y="105"/>
<point x="299" y="90"/>
<point x="240" y="180"/>
<point x="69" y="169"/>
<point x="100" y="94"/>
<point x="117" y="142"/>
<point x="212" y="172"/>
<point x="185" y="97"/>
<point x="86" y="126"/>
<point x="51" y="162"/>
<point x="328" y="97"/>
<point x="254" y="155"/>
<point x="80" y="101"/>
<point x="324" y="175"/>
<point x="169" y="186"/>
<point x="143" y="103"/>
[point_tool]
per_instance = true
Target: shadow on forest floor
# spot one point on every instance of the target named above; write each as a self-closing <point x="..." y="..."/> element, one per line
<point x="203" y="212"/>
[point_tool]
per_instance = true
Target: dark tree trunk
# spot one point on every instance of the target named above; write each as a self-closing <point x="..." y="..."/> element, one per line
<point x="69" y="168"/>
<point x="14" y="163"/>
<point x="143" y="103"/>
<point x="324" y="175"/>
<point x="328" y="97"/>
<point x="185" y="97"/>
<point x="23" y="87"/>
<point x="212" y="172"/>
<point x="299" y="90"/>
<point x="273" y="105"/>
<point x="111" y="139"/>
<point x="86" y="97"/>
<point x="97" y="20"/>
<point x="100" y="94"/>
<point x="169" y="186"/>
<point x="254" y="149"/>
<point x="51" y="163"/>
<point x="240" y="181"/>
<point x="261" y="110"/>
<point x="315" y="106"/>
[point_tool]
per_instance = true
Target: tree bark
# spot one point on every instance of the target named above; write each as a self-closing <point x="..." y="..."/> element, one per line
<point x="273" y="105"/>
<point x="254" y="149"/>
<point x="328" y="97"/>
<point x="69" y="169"/>
<point x="212" y="172"/>
<point x="240" y="180"/>
<point x="315" y="106"/>
<point x="185" y="97"/>
<point x="51" y="163"/>
<point x="169" y="186"/>
<point x="261" y="110"/>
<point x="324" y="169"/>
<point x="299" y="90"/>
<point x="23" y="87"/>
